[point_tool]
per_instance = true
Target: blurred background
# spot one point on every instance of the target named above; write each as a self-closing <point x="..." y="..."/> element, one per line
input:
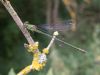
<point x="62" y="60"/>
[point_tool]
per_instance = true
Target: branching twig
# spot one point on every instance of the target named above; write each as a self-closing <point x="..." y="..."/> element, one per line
<point x="18" y="21"/>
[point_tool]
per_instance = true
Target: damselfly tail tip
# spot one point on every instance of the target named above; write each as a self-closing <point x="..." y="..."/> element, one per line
<point x="82" y="50"/>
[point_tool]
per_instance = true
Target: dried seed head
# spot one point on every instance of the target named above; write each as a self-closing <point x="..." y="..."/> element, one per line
<point x="45" y="51"/>
<point x="55" y="33"/>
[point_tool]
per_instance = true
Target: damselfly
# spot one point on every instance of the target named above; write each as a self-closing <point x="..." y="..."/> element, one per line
<point x="53" y="27"/>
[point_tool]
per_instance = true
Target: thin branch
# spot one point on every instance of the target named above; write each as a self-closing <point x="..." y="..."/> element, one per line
<point x="17" y="20"/>
<point x="52" y="40"/>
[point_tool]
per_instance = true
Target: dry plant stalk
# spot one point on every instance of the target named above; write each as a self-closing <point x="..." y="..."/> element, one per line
<point x="40" y="58"/>
<point x="17" y="20"/>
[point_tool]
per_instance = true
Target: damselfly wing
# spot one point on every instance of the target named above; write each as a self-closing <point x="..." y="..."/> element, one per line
<point x="62" y="26"/>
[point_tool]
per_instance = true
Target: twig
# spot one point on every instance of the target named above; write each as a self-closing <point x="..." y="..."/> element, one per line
<point x="53" y="38"/>
<point x="17" y="20"/>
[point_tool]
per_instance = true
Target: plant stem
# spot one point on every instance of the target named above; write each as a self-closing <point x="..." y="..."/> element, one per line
<point x="17" y="20"/>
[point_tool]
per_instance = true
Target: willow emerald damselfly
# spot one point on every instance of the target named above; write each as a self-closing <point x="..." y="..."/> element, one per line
<point x="58" y="27"/>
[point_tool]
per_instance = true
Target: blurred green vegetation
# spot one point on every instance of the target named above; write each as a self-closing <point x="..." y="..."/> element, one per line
<point x="61" y="61"/>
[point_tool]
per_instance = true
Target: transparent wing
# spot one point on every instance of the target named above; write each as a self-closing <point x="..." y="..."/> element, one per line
<point x="59" y="26"/>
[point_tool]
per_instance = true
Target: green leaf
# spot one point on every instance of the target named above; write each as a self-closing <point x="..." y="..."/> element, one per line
<point x="11" y="72"/>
